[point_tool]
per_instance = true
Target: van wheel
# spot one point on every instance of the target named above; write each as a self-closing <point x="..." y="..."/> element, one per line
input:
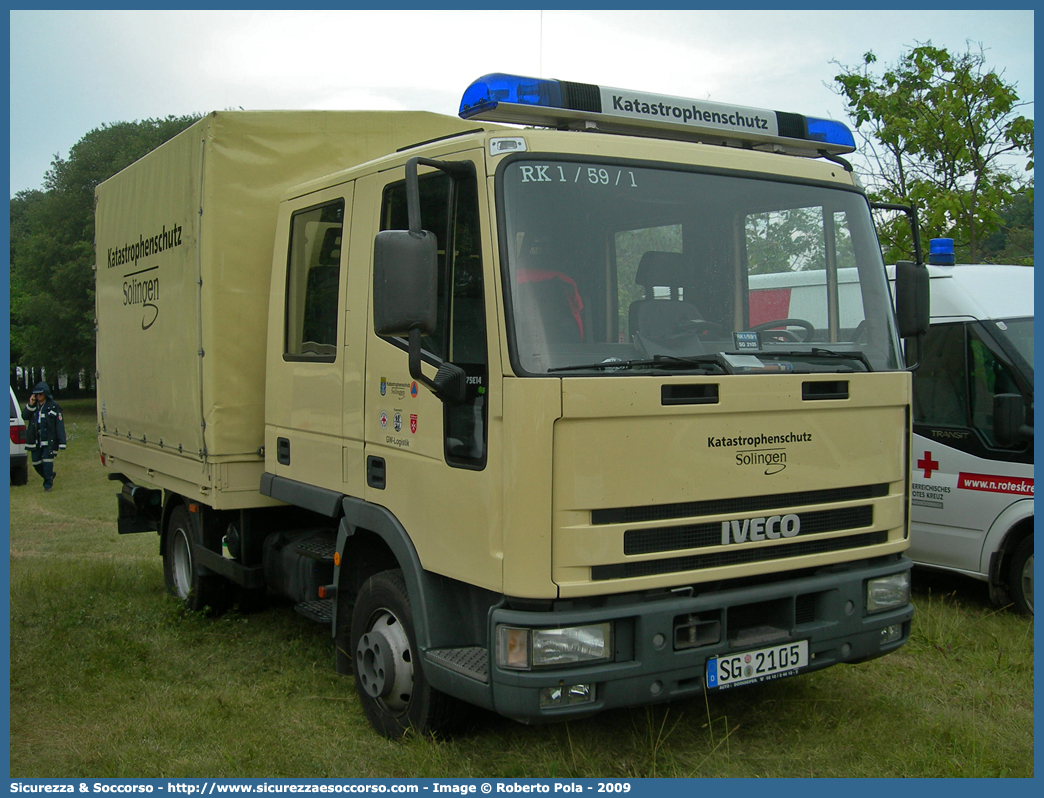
<point x="386" y="662"/>
<point x="184" y="580"/>
<point x="20" y="474"/>
<point x="1020" y="576"/>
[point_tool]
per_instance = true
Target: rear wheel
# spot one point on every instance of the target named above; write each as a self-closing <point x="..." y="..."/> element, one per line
<point x="386" y="663"/>
<point x="1020" y="576"/>
<point x="197" y="589"/>
<point x="20" y="474"/>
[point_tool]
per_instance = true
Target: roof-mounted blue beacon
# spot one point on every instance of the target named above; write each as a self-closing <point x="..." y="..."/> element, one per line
<point x="582" y="106"/>
<point x="940" y="252"/>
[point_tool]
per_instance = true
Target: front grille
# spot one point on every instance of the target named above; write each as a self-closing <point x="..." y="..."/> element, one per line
<point x="734" y="555"/>
<point x="746" y="505"/>
<point x="694" y="536"/>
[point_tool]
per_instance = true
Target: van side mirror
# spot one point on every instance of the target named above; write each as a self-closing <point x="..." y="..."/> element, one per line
<point x="912" y="299"/>
<point x="1009" y="415"/>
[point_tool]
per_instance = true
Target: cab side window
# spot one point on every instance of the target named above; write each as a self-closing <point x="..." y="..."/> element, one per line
<point x="940" y="385"/>
<point x="961" y="371"/>
<point x="449" y="209"/>
<point x="991" y="374"/>
<point x="313" y="277"/>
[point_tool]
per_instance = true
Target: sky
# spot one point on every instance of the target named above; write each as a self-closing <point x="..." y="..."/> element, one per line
<point x="75" y="70"/>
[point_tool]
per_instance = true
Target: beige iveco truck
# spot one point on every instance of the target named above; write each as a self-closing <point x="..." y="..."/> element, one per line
<point x="493" y="399"/>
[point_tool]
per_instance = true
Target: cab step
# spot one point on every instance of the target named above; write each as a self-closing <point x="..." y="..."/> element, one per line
<point x="320" y="547"/>
<point x="472" y="661"/>
<point x="319" y="610"/>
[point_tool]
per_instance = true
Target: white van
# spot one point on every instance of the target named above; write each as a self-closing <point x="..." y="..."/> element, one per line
<point x="972" y="481"/>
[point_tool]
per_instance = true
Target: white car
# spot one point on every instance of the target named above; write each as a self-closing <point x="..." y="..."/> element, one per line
<point x="19" y="461"/>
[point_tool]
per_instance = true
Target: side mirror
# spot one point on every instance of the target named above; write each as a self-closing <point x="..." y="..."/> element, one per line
<point x="451" y="384"/>
<point x="405" y="275"/>
<point x="1009" y="414"/>
<point x="912" y="299"/>
<point x="405" y="284"/>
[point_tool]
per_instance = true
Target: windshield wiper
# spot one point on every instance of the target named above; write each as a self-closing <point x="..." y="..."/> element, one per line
<point x="703" y="362"/>
<point x="817" y="352"/>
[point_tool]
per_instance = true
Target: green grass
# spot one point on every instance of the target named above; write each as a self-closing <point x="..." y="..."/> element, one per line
<point x="111" y="678"/>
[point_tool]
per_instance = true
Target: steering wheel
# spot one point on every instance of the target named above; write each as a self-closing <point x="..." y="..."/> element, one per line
<point x="786" y="335"/>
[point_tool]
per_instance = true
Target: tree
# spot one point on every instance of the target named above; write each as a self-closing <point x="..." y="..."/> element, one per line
<point x="52" y="246"/>
<point x="792" y="239"/>
<point x="941" y="133"/>
<point x="1013" y="242"/>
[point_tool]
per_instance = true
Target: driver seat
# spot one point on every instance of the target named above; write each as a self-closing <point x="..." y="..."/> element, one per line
<point x="653" y="317"/>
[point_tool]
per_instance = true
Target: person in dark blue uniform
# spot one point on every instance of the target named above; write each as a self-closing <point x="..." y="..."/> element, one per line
<point x="44" y="432"/>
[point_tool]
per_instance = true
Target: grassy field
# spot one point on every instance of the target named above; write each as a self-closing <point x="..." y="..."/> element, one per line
<point x="110" y="678"/>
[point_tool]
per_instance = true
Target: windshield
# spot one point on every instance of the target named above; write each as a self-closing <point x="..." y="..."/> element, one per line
<point x="1018" y="334"/>
<point x="613" y="268"/>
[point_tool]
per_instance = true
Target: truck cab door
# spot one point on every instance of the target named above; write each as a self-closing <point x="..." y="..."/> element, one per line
<point x="427" y="459"/>
<point x="309" y="343"/>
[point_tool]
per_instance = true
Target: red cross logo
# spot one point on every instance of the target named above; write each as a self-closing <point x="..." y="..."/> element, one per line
<point x="928" y="464"/>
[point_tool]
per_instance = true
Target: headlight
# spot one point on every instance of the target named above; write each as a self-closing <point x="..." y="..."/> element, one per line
<point x="888" y="592"/>
<point x="522" y="649"/>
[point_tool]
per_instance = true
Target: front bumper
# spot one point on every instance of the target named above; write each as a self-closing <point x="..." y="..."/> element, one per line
<point x="662" y="641"/>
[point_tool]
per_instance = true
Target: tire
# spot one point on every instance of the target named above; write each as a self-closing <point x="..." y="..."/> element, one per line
<point x="1020" y="576"/>
<point x="20" y="474"/>
<point x="198" y="590"/>
<point x="386" y="664"/>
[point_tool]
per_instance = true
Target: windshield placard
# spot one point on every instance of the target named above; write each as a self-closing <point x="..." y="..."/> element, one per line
<point x="583" y="175"/>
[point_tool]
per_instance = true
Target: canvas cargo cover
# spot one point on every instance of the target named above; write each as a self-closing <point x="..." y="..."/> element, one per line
<point x="184" y="242"/>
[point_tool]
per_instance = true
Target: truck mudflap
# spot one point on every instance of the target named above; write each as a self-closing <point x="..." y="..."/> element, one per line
<point x="138" y="509"/>
<point x="662" y="643"/>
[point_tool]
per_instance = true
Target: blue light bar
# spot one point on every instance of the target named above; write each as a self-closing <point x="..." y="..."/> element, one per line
<point x="487" y="92"/>
<point x="940" y="252"/>
<point x="830" y="132"/>
<point x="558" y="103"/>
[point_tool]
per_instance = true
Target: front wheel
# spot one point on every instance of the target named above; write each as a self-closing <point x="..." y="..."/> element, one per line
<point x="197" y="590"/>
<point x="1020" y="576"/>
<point x="386" y="662"/>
